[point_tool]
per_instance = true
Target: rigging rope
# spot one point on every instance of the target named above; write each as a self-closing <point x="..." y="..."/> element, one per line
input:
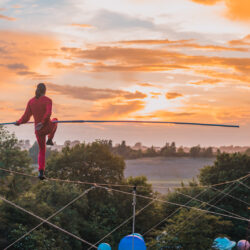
<point x="189" y="221"/>
<point x="229" y="195"/>
<point x="177" y="204"/>
<point x="189" y="217"/>
<point x="243" y="184"/>
<point x="159" y="223"/>
<point x="204" y="202"/>
<point x="50" y="217"/>
<point x="123" y="223"/>
<point x="45" y="221"/>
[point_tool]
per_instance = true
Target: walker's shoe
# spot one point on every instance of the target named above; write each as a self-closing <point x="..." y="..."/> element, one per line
<point x="50" y="142"/>
<point x="41" y="175"/>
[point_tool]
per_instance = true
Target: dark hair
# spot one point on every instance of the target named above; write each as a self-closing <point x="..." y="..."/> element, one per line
<point x="40" y="90"/>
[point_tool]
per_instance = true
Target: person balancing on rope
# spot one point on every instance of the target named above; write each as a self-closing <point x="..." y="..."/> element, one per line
<point x="40" y="107"/>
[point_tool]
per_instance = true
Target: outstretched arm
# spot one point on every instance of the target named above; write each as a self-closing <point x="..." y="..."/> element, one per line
<point x="26" y="116"/>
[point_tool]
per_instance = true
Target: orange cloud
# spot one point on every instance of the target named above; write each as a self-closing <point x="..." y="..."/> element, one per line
<point x="7" y="18"/>
<point x="94" y="94"/>
<point x="145" y="84"/>
<point x="208" y="47"/>
<point x="183" y="44"/>
<point x="59" y="65"/>
<point x="228" y="76"/>
<point x="101" y="67"/>
<point x="155" y="95"/>
<point x="33" y="75"/>
<point x="236" y="9"/>
<point x="167" y="115"/>
<point x="23" y="53"/>
<point x="172" y="95"/>
<point x="207" y="2"/>
<point x="81" y="25"/>
<point x="108" y="59"/>
<point x="206" y="81"/>
<point x="117" y="110"/>
<point x="243" y="42"/>
<point x="152" y="42"/>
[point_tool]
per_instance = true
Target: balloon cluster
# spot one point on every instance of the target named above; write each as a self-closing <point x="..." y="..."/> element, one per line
<point x="226" y="244"/>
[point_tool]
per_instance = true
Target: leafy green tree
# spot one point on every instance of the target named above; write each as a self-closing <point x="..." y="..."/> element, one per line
<point x="86" y="162"/>
<point x="11" y="157"/>
<point x="195" y="151"/>
<point x="169" y="149"/>
<point x="11" y="186"/>
<point x="181" y="152"/>
<point x="183" y="232"/>
<point x="107" y="208"/>
<point x="248" y="152"/>
<point x="207" y="152"/>
<point x="228" y="167"/>
<point x="150" y="152"/>
<point x="44" y="199"/>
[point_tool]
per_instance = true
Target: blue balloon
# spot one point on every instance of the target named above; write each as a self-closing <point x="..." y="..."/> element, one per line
<point x="139" y="235"/>
<point x="126" y="243"/>
<point x="104" y="246"/>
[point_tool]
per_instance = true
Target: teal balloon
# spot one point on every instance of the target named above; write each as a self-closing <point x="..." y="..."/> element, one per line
<point x="223" y="244"/>
<point x="126" y="243"/>
<point x="104" y="246"/>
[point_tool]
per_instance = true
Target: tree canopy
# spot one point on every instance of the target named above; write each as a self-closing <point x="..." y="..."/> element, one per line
<point x="102" y="209"/>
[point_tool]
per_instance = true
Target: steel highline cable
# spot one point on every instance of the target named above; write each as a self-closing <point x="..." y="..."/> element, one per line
<point x="113" y="184"/>
<point x="88" y="183"/>
<point x="156" y="199"/>
<point x="118" y="185"/>
<point x="134" y="121"/>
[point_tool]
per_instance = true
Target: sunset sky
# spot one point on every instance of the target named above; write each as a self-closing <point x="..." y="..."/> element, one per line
<point x="173" y="60"/>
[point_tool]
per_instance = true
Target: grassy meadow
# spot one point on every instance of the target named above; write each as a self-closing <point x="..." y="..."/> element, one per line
<point x="164" y="173"/>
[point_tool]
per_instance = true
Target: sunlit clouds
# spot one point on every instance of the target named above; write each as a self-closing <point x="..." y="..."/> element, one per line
<point x="235" y="9"/>
<point x="183" y="60"/>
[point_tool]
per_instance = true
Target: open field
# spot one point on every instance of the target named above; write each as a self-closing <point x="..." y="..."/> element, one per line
<point x="166" y="172"/>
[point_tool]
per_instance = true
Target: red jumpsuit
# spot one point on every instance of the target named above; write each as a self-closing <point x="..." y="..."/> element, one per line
<point x="41" y="109"/>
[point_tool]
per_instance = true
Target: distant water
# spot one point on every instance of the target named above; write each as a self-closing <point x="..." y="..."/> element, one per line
<point x="166" y="172"/>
